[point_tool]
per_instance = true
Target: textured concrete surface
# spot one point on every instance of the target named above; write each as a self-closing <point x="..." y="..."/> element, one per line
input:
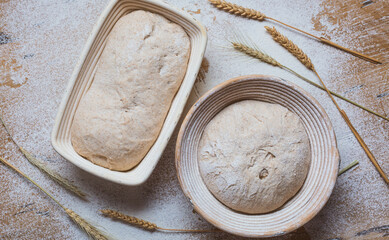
<point x="40" y="42"/>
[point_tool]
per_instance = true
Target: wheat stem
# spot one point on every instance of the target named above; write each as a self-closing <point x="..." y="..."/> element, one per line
<point x="83" y="224"/>
<point x="348" y="167"/>
<point x="7" y="130"/>
<point x="146" y="224"/>
<point x="334" y="93"/>
<point x="28" y="178"/>
<point x="304" y="59"/>
<point x="355" y="132"/>
<point x="294" y="28"/>
<point x="254" y="14"/>
<point x="43" y="168"/>
<point x="257" y="54"/>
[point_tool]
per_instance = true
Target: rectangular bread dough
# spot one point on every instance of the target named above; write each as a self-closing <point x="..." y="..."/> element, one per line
<point x="138" y="74"/>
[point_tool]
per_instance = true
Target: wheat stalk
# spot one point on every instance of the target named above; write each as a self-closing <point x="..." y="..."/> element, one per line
<point x="82" y="223"/>
<point x="43" y="168"/>
<point x="253" y="51"/>
<point x="303" y="58"/>
<point x="146" y="224"/>
<point x="291" y="47"/>
<point x="348" y="167"/>
<point x="254" y="14"/>
<point x="238" y="10"/>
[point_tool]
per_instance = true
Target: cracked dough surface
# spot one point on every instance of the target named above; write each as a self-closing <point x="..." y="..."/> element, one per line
<point x="139" y="72"/>
<point x="254" y="156"/>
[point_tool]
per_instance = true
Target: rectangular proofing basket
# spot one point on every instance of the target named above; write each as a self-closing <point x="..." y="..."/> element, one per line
<point x="82" y="78"/>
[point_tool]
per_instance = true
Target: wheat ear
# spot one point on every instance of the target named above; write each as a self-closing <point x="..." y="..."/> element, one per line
<point x="299" y="54"/>
<point x="64" y="182"/>
<point x="129" y="219"/>
<point x="238" y="10"/>
<point x="146" y="224"/>
<point x="49" y="172"/>
<point x="255" y="53"/>
<point x="82" y="223"/>
<point x="291" y="47"/>
<point x="85" y="225"/>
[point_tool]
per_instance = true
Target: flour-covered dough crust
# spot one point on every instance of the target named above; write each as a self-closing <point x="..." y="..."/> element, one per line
<point x="139" y="72"/>
<point x="254" y="156"/>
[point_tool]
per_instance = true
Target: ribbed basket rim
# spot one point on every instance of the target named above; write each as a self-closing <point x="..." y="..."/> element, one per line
<point x="327" y="183"/>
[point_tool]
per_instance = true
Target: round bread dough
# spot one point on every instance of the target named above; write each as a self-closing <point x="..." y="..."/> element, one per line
<point x="254" y="156"/>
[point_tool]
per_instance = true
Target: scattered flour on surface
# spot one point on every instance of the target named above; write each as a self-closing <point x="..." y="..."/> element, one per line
<point x="52" y="35"/>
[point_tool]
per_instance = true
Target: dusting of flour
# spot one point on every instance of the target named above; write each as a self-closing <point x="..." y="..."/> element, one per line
<point x="43" y="42"/>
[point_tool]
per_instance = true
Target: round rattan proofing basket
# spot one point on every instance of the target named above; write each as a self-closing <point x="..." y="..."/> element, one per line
<point x="321" y="176"/>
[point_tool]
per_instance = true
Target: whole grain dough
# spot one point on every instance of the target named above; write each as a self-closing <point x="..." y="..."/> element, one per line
<point x="254" y="156"/>
<point x="138" y="74"/>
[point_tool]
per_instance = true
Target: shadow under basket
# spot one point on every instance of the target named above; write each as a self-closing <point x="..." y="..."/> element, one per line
<point x="82" y="78"/>
<point x="321" y="176"/>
